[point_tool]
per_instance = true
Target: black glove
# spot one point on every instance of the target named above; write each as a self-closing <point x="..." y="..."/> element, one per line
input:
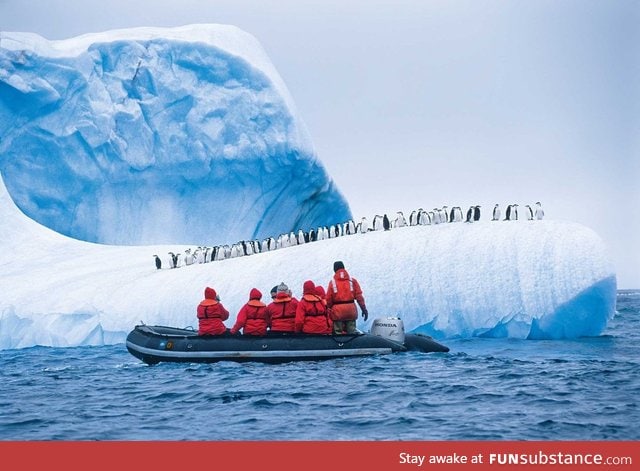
<point x="365" y="314"/>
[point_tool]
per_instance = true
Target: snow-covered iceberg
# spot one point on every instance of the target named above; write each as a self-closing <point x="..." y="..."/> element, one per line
<point x="523" y="279"/>
<point x="157" y="135"/>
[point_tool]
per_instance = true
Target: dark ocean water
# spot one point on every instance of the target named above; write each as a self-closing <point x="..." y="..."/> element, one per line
<point x="484" y="389"/>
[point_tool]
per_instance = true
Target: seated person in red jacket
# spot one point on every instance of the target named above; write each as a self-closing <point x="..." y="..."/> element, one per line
<point x="211" y="314"/>
<point x="311" y="314"/>
<point x="282" y="311"/>
<point x="252" y="318"/>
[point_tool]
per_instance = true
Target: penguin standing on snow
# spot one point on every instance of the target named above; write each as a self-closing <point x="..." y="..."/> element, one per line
<point x="364" y="225"/>
<point x="512" y="213"/>
<point x="158" y="262"/>
<point x="470" y="214"/>
<point x="496" y="213"/>
<point x="476" y="213"/>
<point x="377" y="222"/>
<point x="456" y="214"/>
<point x="386" y="224"/>
<point x="539" y="211"/>
<point x="400" y="220"/>
<point x="413" y="218"/>
<point x="529" y="213"/>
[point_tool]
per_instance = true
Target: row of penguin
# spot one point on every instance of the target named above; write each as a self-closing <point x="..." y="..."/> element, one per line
<point x="418" y="217"/>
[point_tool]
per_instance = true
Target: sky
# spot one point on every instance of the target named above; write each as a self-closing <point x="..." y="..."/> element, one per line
<point x="428" y="103"/>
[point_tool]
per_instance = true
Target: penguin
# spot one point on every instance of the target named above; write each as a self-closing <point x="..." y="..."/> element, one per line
<point x="377" y="222"/>
<point x="476" y="213"/>
<point x="445" y="210"/>
<point x="511" y="213"/>
<point x="507" y="213"/>
<point x="496" y="213"/>
<point x="188" y="257"/>
<point x="400" y="220"/>
<point x="158" y="262"/>
<point x="349" y="227"/>
<point x="172" y="260"/>
<point x="436" y="216"/>
<point x="237" y="250"/>
<point x="529" y="213"/>
<point x="386" y="224"/>
<point x="413" y="218"/>
<point x="332" y="232"/>
<point x="539" y="211"/>
<point x="456" y="214"/>
<point x="470" y="214"/>
<point x="423" y="218"/>
<point x="364" y="225"/>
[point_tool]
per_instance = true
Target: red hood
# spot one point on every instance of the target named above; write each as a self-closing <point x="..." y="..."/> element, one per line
<point x="210" y="293"/>
<point x="255" y="294"/>
<point x="320" y="291"/>
<point x="308" y="287"/>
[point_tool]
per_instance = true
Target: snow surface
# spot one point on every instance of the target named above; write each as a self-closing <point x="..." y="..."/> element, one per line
<point x="522" y="279"/>
<point x="157" y="135"/>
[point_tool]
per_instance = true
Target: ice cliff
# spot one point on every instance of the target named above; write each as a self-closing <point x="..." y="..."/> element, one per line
<point x="151" y="135"/>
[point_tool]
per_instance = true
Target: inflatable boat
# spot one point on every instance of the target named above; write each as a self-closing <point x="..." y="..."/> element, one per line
<point x="154" y="344"/>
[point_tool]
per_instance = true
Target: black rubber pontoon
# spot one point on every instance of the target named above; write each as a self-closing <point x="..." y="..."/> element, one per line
<point x="153" y="344"/>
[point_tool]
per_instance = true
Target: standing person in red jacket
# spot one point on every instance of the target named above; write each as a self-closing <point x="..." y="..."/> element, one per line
<point x="252" y="318"/>
<point x="211" y="314"/>
<point x="282" y="311"/>
<point x="311" y="314"/>
<point x="342" y="293"/>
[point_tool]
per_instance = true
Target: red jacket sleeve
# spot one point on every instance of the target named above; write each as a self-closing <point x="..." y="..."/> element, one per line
<point x="224" y="314"/>
<point x="358" y="294"/>
<point x="329" y="294"/>
<point x="240" y="321"/>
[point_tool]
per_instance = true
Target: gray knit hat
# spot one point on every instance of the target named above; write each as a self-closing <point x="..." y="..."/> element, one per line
<point x="282" y="288"/>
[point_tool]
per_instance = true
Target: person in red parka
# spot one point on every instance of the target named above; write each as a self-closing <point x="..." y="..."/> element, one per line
<point x="252" y="318"/>
<point x="311" y="314"/>
<point x="342" y="294"/>
<point x="321" y="293"/>
<point x="282" y="311"/>
<point x="211" y="314"/>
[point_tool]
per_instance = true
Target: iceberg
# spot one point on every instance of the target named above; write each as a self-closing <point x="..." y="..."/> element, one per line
<point x="157" y="135"/>
<point x="522" y="279"/>
<point x="120" y="146"/>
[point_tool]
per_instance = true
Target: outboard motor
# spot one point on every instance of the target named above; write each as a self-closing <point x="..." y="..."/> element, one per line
<point x="391" y="328"/>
